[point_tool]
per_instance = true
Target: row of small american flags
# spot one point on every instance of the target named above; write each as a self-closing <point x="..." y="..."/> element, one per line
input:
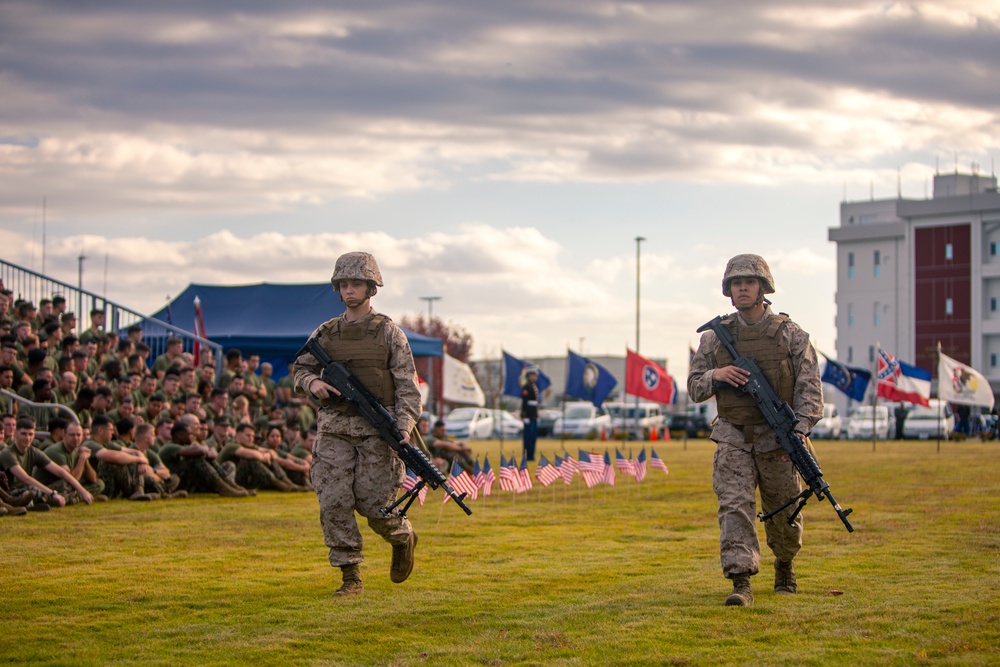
<point x="592" y="467"/>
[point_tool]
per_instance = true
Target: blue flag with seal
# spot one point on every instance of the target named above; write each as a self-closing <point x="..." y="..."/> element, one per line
<point x="588" y="380"/>
<point x="851" y="380"/>
<point x="514" y="379"/>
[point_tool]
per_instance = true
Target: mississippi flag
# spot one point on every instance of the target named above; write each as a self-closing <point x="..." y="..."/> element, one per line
<point x="411" y="481"/>
<point x="461" y="482"/>
<point x="591" y="468"/>
<point x="523" y="473"/>
<point x="546" y="472"/>
<point x="609" y="470"/>
<point x="656" y="462"/>
<point x="647" y="379"/>
<point x="568" y="469"/>
<point x="640" y="466"/>
<point x="899" y="381"/>
<point x="623" y="464"/>
<point x="508" y="476"/>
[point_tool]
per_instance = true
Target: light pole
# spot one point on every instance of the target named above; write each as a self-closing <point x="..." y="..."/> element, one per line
<point x="430" y="364"/>
<point x="79" y="293"/>
<point x="638" y="242"/>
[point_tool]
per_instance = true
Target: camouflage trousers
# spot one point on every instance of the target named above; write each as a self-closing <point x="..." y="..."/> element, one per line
<point x="356" y="473"/>
<point x="157" y="485"/>
<point x="120" y="481"/>
<point x="70" y="494"/>
<point x="254" y="474"/>
<point x="736" y="473"/>
<point x="199" y="475"/>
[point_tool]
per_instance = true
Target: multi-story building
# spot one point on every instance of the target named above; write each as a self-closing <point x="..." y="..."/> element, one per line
<point x="915" y="273"/>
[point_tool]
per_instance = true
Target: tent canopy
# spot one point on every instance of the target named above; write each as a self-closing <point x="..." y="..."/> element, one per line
<point x="268" y="319"/>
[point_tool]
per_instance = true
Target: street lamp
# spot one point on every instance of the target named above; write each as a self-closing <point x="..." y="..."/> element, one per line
<point x="430" y="364"/>
<point x="638" y="242"/>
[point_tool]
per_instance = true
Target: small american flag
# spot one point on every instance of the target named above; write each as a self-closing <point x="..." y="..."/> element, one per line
<point x="609" y="470"/>
<point x="624" y="465"/>
<point x="410" y="481"/>
<point x="640" y="466"/>
<point x="591" y="468"/>
<point x="488" y="477"/>
<point x="509" y="479"/>
<point x="461" y="482"/>
<point x="546" y="472"/>
<point x="523" y="473"/>
<point x="477" y="474"/>
<point x="568" y="469"/>
<point x="656" y="462"/>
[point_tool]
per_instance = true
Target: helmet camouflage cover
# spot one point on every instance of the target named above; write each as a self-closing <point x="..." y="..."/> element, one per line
<point x="748" y="266"/>
<point x="356" y="266"/>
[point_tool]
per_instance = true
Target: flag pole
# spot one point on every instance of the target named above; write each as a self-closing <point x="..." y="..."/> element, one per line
<point x="878" y="352"/>
<point x="939" y="410"/>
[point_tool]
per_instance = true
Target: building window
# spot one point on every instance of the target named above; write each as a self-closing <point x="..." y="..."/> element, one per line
<point x="949" y="252"/>
<point x="876" y="317"/>
<point x="994" y="359"/>
<point x="878" y="263"/>
<point x="994" y="302"/>
<point x="850" y="266"/>
<point x="850" y="314"/>
<point x="850" y="354"/>
<point x="871" y="354"/>
<point x="994" y="248"/>
<point x="949" y="306"/>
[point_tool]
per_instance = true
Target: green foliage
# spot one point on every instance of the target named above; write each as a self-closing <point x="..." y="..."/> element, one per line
<point x="622" y="575"/>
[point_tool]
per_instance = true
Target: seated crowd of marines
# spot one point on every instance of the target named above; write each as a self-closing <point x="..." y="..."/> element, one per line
<point x="136" y="429"/>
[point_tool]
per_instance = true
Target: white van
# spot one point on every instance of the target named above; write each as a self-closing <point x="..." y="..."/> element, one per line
<point x="934" y="421"/>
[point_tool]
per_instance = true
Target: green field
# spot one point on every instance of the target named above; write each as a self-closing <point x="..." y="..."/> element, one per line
<point x="622" y="575"/>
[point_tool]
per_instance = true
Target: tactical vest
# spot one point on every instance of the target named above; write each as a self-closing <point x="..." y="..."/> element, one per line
<point x="762" y="343"/>
<point x="362" y="348"/>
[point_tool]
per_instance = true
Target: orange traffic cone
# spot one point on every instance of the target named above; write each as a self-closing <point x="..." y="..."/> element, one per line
<point x="653" y="435"/>
<point x="666" y="434"/>
<point x="604" y="434"/>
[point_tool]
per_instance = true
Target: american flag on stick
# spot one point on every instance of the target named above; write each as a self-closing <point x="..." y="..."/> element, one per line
<point x="624" y="465"/>
<point x="591" y="468"/>
<point x="523" y="473"/>
<point x="488" y="478"/>
<point x="609" y="470"/>
<point x="656" y="462"/>
<point x="568" y="469"/>
<point x="640" y="466"/>
<point x="461" y="482"/>
<point x="509" y="480"/>
<point x="546" y="472"/>
<point x="410" y="481"/>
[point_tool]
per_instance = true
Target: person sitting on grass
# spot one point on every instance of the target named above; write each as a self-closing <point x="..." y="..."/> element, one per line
<point x="452" y="451"/>
<point x="273" y="440"/>
<point x="20" y="457"/>
<point x="157" y="479"/>
<point x="256" y="467"/>
<point x="70" y="455"/>
<point x="119" y="468"/>
<point x="196" y="464"/>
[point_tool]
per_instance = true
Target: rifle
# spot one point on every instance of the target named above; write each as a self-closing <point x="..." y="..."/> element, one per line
<point x="352" y="390"/>
<point x="781" y="418"/>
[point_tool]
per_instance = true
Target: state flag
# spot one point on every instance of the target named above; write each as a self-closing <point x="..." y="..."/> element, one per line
<point x="647" y="379"/>
<point x="899" y="381"/>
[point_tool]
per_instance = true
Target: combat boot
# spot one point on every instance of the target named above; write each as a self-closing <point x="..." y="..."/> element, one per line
<point x="784" y="577"/>
<point x="10" y="510"/>
<point x="402" y="559"/>
<point x="742" y="595"/>
<point x="226" y="491"/>
<point x="22" y="499"/>
<point x="352" y="580"/>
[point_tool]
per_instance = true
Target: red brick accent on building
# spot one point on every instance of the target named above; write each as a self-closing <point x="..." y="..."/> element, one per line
<point x="936" y="279"/>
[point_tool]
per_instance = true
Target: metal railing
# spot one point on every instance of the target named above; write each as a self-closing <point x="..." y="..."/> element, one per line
<point x="33" y="286"/>
<point x="41" y="412"/>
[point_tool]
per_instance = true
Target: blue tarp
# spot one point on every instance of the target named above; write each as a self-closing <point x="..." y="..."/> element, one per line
<point x="271" y="320"/>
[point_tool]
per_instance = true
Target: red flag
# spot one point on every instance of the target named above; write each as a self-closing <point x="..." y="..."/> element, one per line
<point x="199" y="329"/>
<point x="646" y="379"/>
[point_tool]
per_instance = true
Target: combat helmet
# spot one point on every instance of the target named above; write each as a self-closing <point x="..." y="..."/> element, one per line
<point x="748" y="266"/>
<point x="356" y="266"/>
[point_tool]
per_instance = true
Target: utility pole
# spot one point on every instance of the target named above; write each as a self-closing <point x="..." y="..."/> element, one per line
<point x="430" y="375"/>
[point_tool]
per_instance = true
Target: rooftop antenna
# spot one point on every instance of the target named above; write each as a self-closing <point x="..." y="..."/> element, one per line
<point x="871" y="189"/>
<point x="844" y="200"/>
<point x="43" y="234"/>
<point x="956" y="162"/>
<point x="899" y="184"/>
<point x="937" y="165"/>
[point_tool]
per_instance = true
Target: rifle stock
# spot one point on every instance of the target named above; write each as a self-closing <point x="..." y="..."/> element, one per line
<point x="352" y="390"/>
<point x="781" y="418"/>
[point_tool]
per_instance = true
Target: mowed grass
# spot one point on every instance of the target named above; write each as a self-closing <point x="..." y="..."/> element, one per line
<point x="622" y="575"/>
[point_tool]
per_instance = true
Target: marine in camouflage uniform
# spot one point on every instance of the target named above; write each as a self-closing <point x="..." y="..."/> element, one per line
<point x="748" y="454"/>
<point x="353" y="468"/>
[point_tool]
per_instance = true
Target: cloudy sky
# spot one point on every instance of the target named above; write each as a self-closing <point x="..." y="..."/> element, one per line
<point x="502" y="155"/>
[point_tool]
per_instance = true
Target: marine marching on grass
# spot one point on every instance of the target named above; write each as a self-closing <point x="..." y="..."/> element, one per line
<point x="763" y="371"/>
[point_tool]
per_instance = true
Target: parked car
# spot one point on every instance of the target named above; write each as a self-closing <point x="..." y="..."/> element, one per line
<point x="546" y="421"/>
<point x="860" y="425"/>
<point x="581" y="420"/>
<point x="469" y="424"/>
<point x="511" y="426"/>
<point x="829" y="427"/>
<point x="696" y="426"/>
<point x="933" y="421"/>
<point x="632" y="421"/>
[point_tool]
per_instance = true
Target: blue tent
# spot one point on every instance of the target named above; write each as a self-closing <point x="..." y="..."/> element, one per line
<point x="271" y="320"/>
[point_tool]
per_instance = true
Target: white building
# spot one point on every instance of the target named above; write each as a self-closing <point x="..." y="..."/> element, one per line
<point x="912" y="273"/>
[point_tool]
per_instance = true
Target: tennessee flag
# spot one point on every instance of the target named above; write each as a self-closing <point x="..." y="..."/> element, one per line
<point x="646" y="379"/>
